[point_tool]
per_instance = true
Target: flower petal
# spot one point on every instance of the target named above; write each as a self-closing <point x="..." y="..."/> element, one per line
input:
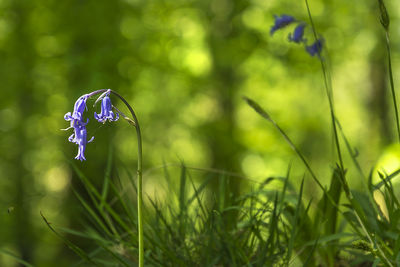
<point x="298" y="33"/>
<point x="68" y="116"/>
<point x="281" y="22"/>
<point x="106" y="110"/>
<point x="315" y="48"/>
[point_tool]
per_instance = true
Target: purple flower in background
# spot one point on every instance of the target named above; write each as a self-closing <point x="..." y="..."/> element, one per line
<point x="298" y="33"/>
<point x="297" y="36"/>
<point x="76" y="117"/>
<point x="281" y="22"/>
<point x="315" y="48"/>
<point x="79" y="137"/>
<point x="106" y="110"/>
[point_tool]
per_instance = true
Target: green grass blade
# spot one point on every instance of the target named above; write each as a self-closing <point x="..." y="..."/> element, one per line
<point x="264" y="114"/>
<point x="388" y="178"/>
<point x="293" y="233"/>
<point x="182" y="203"/>
<point x="329" y="94"/>
<point x="15" y="257"/>
<point x="71" y="245"/>
<point x="96" y="198"/>
<point x="330" y="211"/>
<point x="310" y="255"/>
<point x="197" y="197"/>
<point x="107" y="176"/>
<point x="93" y="214"/>
<point x="353" y="154"/>
<point x="273" y="228"/>
<point x="123" y="203"/>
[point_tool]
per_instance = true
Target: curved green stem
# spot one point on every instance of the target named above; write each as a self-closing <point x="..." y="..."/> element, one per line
<point x="396" y="112"/>
<point x="139" y="172"/>
<point x="139" y="181"/>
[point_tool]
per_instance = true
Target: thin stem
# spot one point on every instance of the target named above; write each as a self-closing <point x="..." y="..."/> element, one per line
<point x="382" y="254"/>
<point x="97" y="92"/>
<point x="264" y="114"/>
<point x="139" y="181"/>
<point x="329" y="94"/>
<point x="396" y="112"/>
<point x="135" y="123"/>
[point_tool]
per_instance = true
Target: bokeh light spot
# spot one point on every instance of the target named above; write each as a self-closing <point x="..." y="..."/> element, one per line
<point x="57" y="178"/>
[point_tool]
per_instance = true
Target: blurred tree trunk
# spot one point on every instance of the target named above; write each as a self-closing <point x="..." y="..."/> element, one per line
<point x="22" y="62"/>
<point x="224" y="30"/>
<point x="378" y="101"/>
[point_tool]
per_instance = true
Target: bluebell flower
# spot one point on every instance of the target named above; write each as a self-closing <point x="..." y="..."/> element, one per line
<point x="79" y="126"/>
<point x="79" y="137"/>
<point x="315" y="48"/>
<point x="298" y="34"/>
<point x="76" y="118"/>
<point x="281" y="22"/>
<point x="106" y="110"/>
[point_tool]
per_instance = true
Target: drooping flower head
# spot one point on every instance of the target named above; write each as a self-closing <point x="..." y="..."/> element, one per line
<point x="315" y="48"/>
<point x="76" y="118"/>
<point x="106" y="110"/>
<point x="298" y="34"/>
<point x="79" y="137"/>
<point x="281" y="22"/>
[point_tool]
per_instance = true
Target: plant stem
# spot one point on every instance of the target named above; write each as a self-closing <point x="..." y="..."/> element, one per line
<point x="329" y="94"/>
<point x="139" y="181"/>
<point x="396" y="112"/>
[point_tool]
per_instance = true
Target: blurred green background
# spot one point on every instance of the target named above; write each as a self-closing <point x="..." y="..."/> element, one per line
<point x="184" y="66"/>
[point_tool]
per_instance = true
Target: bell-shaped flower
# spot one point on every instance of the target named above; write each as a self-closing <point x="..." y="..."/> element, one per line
<point x="106" y="111"/>
<point x="79" y="137"/>
<point x="76" y="118"/>
<point x="315" y="48"/>
<point x="298" y="34"/>
<point x="281" y="22"/>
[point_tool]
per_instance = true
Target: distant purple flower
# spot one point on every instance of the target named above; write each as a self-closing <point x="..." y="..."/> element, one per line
<point x="79" y="137"/>
<point x="106" y="110"/>
<point x="281" y="22"/>
<point x="298" y="33"/>
<point x="315" y="48"/>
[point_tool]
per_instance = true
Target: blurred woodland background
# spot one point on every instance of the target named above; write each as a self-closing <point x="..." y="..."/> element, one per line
<point x="184" y="66"/>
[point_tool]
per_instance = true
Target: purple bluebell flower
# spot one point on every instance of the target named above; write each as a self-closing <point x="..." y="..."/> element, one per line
<point x="106" y="110"/>
<point x="298" y="34"/>
<point x="76" y="118"/>
<point x="281" y="22"/>
<point x="79" y="137"/>
<point x="315" y="48"/>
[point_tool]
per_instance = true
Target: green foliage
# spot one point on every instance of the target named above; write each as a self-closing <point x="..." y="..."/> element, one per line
<point x="272" y="227"/>
<point x="184" y="65"/>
